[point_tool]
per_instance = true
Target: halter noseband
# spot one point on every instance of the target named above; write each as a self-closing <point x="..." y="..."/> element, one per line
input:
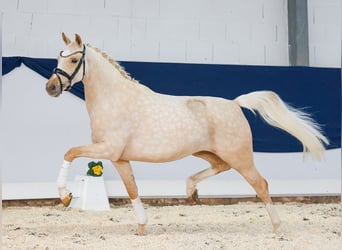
<point x="59" y="71"/>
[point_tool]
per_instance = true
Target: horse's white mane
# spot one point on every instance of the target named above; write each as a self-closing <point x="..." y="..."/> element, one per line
<point x="114" y="63"/>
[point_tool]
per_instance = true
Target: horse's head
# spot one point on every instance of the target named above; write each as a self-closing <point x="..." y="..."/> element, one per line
<point x="70" y="68"/>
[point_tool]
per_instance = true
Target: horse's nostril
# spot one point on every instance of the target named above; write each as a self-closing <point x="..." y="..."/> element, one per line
<point x="52" y="87"/>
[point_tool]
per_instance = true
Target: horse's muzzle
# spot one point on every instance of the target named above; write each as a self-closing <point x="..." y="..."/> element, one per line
<point x="53" y="87"/>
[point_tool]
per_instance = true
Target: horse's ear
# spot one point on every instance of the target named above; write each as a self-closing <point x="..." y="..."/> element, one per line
<point x="78" y="40"/>
<point x="66" y="39"/>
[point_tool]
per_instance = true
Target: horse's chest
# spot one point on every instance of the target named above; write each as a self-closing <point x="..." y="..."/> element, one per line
<point x="109" y="128"/>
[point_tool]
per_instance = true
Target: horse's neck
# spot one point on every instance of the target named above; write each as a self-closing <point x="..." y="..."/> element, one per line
<point x="106" y="88"/>
<point x="101" y="76"/>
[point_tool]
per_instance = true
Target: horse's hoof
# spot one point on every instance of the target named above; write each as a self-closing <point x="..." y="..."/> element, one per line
<point x="194" y="197"/>
<point x="67" y="199"/>
<point x="276" y="229"/>
<point x="141" y="229"/>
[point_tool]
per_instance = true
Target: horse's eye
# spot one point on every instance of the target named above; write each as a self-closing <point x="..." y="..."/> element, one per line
<point x="74" y="60"/>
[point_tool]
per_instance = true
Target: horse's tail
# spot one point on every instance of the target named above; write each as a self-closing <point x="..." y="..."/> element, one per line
<point x="278" y="114"/>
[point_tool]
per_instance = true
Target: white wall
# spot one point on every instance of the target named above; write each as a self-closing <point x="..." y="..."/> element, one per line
<point x="37" y="130"/>
<point x="325" y="32"/>
<point x="196" y="31"/>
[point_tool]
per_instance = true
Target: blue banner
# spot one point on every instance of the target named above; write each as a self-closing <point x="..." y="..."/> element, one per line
<point x="316" y="90"/>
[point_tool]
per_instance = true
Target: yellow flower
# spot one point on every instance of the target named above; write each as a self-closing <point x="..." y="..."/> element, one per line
<point x="97" y="170"/>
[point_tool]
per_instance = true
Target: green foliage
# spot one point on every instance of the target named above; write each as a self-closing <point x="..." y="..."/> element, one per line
<point x="95" y="169"/>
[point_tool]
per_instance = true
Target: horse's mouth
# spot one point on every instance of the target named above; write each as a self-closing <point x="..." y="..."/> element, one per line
<point x="53" y="90"/>
<point x="57" y="94"/>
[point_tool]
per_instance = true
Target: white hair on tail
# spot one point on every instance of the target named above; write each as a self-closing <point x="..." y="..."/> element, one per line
<point x="279" y="114"/>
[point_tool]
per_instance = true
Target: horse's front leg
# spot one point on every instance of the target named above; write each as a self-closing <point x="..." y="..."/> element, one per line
<point x="97" y="150"/>
<point x="125" y="170"/>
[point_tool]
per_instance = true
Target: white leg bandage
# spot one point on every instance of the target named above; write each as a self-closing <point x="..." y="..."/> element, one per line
<point x="273" y="215"/>
<point x="139" y="211"/>
<point x="63" y="174"/>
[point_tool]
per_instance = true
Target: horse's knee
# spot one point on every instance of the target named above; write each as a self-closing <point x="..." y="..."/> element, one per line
<point x="131" y="186"/>
<point x="126" y="173"/>
<point x="70" y="155"/>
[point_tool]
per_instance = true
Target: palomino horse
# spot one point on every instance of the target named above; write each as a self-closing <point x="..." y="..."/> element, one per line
<point x="131" y="122"/>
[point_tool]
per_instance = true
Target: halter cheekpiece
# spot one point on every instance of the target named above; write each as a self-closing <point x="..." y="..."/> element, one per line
<point x="59" y="71"/>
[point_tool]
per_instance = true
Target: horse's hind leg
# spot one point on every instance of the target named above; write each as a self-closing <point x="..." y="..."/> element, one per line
<point x="260" y="185"/>
<point x="217" y="166"/>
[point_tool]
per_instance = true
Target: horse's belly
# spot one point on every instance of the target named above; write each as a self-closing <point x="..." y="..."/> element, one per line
<point x="160" y="152"/>
<point x="163" y="146"/>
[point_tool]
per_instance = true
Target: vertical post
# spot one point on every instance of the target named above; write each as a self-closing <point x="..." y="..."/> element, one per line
<point x="297" y="14"/>
<point x="341" y="124"/>
<point x="1" y="116"/>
